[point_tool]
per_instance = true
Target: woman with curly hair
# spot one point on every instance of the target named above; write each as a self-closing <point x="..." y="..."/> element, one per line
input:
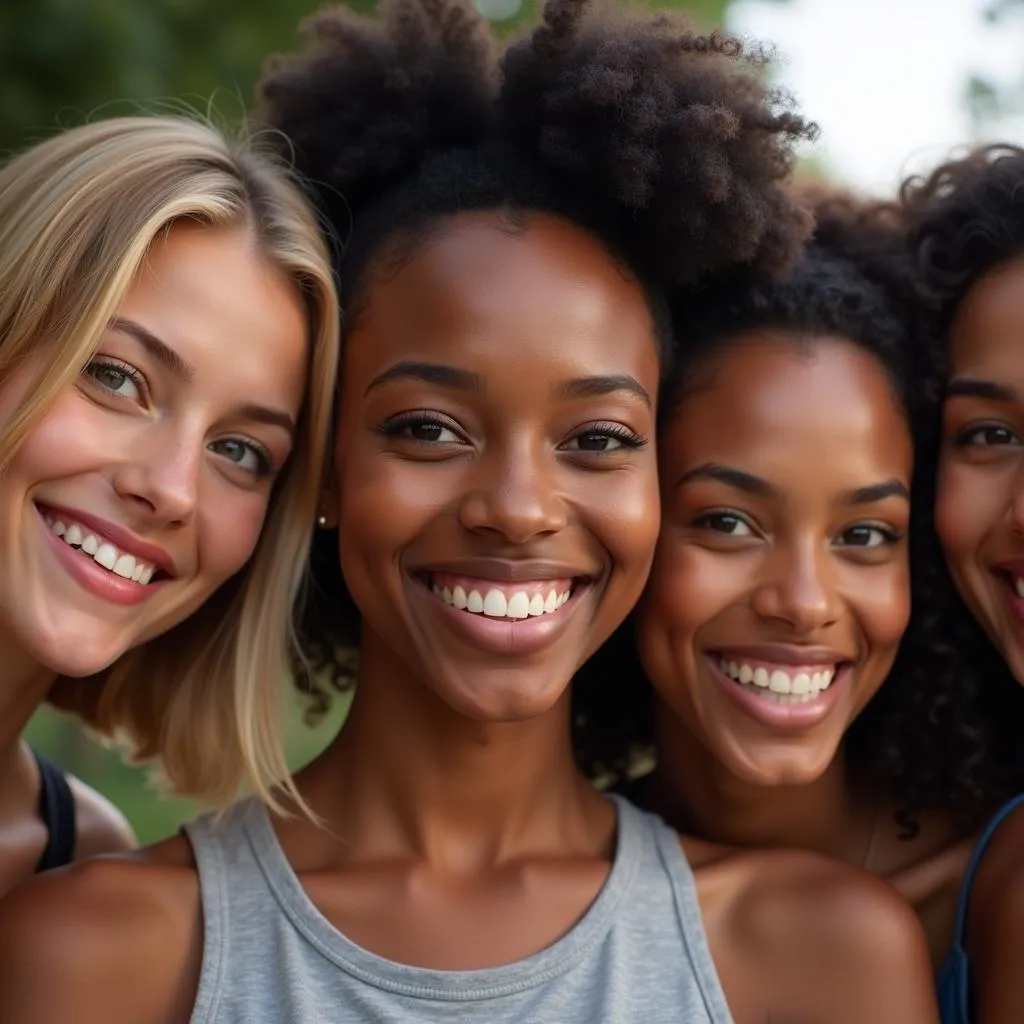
<point x="510" y="229"/>
<point x="966" y="223"/>
<point x="780" y="590"/>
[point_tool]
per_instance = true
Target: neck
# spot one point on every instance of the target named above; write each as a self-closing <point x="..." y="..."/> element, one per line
<point x="24" y="683"/>
<point x="410" y="775"/>
<point x="696" y="794"/>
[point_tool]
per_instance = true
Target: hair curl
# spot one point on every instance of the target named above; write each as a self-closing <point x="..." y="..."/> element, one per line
<point x="960" y="743"/>
<point x="855" y="281"/>
<point x="664" y="144"/>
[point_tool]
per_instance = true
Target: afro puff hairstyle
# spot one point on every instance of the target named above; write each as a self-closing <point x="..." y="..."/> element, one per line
<point x="962" y="744"/>
<point x="854" y="281"/>
<point x="664" y="144"/>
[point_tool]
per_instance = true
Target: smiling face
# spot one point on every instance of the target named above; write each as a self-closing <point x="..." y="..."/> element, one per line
<point x="144" y="486"/>
<point x="780" y="589"/>
<point x="979" y="510"/>
<point x="498" y="492"/>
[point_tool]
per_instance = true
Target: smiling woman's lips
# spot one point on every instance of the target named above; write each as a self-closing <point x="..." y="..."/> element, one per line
<point x="492" y="628"/>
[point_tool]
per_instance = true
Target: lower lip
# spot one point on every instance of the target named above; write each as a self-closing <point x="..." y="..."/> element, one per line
<point x="1015" y="600"/>
<point x="771" y="713"/>
<point x="502" y="636"/>
<point x="93" y="577"/>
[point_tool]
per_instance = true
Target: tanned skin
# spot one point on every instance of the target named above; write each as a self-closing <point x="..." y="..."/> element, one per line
<point x="786" y="474"/>
<point x="460" y="833"/>
<point x="979" y="514"/>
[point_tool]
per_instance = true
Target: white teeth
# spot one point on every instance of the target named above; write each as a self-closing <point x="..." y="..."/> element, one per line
<point x="102" y="552"/>
<point x="1018" y="585"/>
<point x="106" y="555"/>
<point x="496" y="604"/>
<point x="778" y="684"/>
<point x="124" y="566"/>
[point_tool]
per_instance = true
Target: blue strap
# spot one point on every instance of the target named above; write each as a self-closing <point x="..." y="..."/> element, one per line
<point x="972" y="865"/>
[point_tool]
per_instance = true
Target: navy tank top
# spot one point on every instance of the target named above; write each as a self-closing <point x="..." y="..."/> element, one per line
<point x="955" y="1000"/>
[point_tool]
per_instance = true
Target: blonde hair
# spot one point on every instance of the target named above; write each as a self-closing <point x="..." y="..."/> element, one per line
<point x="78" y="214"/>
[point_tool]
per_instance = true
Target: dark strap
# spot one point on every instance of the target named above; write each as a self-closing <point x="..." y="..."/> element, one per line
<point x="972" y="867"/>
<point x="57" y="809"/>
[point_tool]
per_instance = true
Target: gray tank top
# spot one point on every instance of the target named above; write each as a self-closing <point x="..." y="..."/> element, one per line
<point x="637" y="956"/>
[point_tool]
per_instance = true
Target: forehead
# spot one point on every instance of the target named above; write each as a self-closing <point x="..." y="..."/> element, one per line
<point x="791" y="408"/>
<point x="987" y="332"/>
<point x="483" y="291"/>
<point x="210" y="295"/>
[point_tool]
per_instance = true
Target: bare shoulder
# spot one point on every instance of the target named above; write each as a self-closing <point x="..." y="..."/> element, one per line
<point x="106" y="940"/>
<point x="824" y="941"/>
<point x="99" y="826"/>
<point x="995" y="931"/>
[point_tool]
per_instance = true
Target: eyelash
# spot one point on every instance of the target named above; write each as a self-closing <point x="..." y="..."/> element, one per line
<point x="966" y="437"/>
<point x="402" y="422"/>
<point x="117" y="365"/>
<point x="266" y="465"/>
<point x="705" y="521"/>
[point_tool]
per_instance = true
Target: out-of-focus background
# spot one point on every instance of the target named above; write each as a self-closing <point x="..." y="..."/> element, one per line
<point x="894" y="85"/>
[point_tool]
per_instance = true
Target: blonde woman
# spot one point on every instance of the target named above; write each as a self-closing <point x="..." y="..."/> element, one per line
<point x="168" y="348"/>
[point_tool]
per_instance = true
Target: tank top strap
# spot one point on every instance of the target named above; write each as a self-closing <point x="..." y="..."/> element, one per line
<point x="57" y="809"/>
<point x="691" y="923"/>
<point x="963" y="902"/>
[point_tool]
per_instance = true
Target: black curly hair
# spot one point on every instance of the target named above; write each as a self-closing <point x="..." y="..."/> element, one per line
<point x="664" y="144"/>
<point x="962" y="744"/>
<point x="854" y="281"/>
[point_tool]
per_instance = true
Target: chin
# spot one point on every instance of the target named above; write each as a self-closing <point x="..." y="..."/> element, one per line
<point x="502" y="702"/>
<point x="76" y="656"/>
<point x="798" y="768"/>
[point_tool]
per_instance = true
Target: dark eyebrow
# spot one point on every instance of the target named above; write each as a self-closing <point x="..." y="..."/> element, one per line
<point x="876" y="492"/>
<point x="733" y="477"/>
<point x="972" y="388"/>
<point x="430" y="373"/>
<point x="158" y="349"/>
<point x="589" y="387"/>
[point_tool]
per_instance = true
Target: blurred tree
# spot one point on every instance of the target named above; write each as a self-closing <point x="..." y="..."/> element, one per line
<point x="66" y="61"/>
<point x="988" y="103"/>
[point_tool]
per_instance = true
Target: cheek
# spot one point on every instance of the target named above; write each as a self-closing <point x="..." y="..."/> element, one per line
<point x="967" y="507"/>
<point x="229" y="530"/>
<point x="881" y="605"/>
<point x="625" y="514"/>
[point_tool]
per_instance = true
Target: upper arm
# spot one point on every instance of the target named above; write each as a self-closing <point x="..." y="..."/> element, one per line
<point x="832" y="945"/>
<point x="99" y="826"/>
<point x="996" y="933"/>
<point x="874" y="957"/>
<point x="89" y="945"/>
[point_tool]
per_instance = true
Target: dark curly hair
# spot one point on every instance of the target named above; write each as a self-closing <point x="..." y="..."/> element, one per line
<point x="962" y="744"/>
<point x="854" y="281"/>
<point x="664" y="144"/>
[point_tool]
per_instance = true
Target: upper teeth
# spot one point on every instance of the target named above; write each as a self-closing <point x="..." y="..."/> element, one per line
<point x="496" y="605"/>
<point x="1018" y="585"/>
<point x="778" y="680"/>
<point x="102" y="551"/>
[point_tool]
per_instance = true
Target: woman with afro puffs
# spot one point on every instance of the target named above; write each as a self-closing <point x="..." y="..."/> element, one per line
<point x="966" y="227"/>
<point x="509" y="229"/>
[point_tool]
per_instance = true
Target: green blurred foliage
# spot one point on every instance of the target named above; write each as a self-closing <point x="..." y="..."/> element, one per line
<point x="986" y="102"/>
<point x="66" y="61"/>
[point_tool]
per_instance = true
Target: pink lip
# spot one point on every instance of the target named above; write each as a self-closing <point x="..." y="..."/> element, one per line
<point x="93" y="577"/>
<point x="784" y="717"/>
<point x="124" y="540"/>
<point x="1013" y="599"/>
<point x="500" y="636"/>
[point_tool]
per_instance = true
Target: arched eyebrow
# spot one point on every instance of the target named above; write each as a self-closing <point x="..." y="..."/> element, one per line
<point x="972" y="387"/>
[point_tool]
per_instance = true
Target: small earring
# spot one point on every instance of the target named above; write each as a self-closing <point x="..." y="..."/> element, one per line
<point x="321" y="521"/>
